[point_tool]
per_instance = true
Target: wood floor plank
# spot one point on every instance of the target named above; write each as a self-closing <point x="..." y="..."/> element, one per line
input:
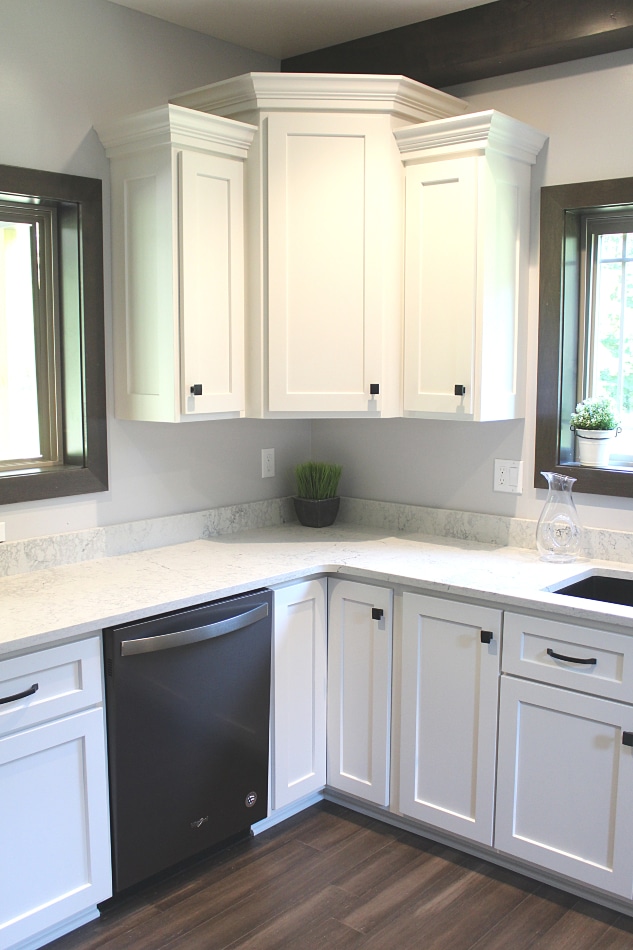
<point x="329" y="878"/>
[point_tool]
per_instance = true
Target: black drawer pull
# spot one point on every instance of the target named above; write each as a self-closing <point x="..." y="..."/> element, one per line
<point x="588" y="661"/>
<point x="27" y="692"/>
<point x="627" y="738"/>
<point x="486" y="636"/>
<point x="377" y="613"/>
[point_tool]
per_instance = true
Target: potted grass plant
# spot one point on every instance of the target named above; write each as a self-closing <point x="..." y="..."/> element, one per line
<point x="595" y="425"/>
<point x="317" y="502"/>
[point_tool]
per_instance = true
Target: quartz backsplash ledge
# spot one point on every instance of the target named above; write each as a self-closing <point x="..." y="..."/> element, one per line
<point x="42" y="553"/>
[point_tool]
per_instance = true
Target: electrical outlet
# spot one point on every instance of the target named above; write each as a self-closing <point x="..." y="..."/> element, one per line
<point x="3" y="535"/>
<point x="508" y="476"/>
<point x="268" y="463"/>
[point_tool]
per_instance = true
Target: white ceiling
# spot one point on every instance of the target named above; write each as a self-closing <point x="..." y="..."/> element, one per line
<point x="283" y="28"/>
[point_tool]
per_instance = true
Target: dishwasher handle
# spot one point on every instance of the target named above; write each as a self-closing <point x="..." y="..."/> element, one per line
<point x="181" y="638"/>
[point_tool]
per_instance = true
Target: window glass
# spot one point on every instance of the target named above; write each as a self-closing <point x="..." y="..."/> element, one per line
<point x="19" y="424"/>
<point x="609" y="322"/>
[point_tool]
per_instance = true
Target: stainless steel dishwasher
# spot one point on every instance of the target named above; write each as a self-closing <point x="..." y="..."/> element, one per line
<point x="187" y="705"/>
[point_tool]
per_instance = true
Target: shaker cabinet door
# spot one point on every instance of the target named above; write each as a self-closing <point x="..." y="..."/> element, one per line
<point x="299" y="691"/>
<point x="211" y="283"/>
<point x="565" y="783"/>
<point x="334" y="269"/>
<point x="450" y="676"/>
<point x="54" y="834"/>
<point x="440" y="287"/>
<point x="359" y="689"/>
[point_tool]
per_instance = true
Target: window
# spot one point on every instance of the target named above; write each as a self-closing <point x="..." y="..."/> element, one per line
<point x="52" y="390"/>
<point x="606" y="337"/>
<point x="585" y="332"/>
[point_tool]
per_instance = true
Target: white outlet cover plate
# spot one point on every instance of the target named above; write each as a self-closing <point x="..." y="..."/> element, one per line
<point x="508" y="476"/>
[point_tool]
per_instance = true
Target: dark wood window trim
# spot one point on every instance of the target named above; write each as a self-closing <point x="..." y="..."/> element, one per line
<point x="561" y="207"/>
<point x="85" y="462"/>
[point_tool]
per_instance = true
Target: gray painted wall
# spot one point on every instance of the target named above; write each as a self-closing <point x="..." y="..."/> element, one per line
<point x="66" y="66"/>
<point x="586" y="108"/>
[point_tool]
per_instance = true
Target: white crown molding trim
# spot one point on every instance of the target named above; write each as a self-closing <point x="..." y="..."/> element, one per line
<point x="395" y="95"/>
<point x="176" y="126"/>
<point x="474" y="132"/>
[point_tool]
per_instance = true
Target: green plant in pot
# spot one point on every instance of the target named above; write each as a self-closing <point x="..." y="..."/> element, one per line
<point x="317" y="502"/>
<point x="596" y="425"/>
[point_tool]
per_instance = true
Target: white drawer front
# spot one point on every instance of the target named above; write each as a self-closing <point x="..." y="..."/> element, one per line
<point x="67" y="678"/>
<point x="527" y="640"/>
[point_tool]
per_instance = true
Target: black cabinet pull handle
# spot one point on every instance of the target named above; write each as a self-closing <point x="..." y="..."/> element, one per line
<point x="377" y="613"/>
<point x="627" y="738"/>
<point x="374" y="389"/>
<point x="486" y="636"/>
<point x="460" y="390"/>
<point x="27" y="692"/>
<point x="196" y="390"/>
<point x="588" y="661"/>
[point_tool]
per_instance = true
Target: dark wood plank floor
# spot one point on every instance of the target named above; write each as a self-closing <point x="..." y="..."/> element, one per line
<point x="333" y="879"/>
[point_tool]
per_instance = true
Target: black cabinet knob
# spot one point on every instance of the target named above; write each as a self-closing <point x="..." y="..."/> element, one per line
<point x="486" y="636"/>
<point x="627" y="738"/>
<point x="377" y="613"/>
<point x="460" y="390"/>
<point x="374" y="389"/>
<point x="196" y="390"/>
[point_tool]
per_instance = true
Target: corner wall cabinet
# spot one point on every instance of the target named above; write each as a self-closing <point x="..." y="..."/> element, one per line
<point x="450" y="686"/>
<point x="178" y="264"/>
<point x="299" y="691"/>
<point x="325" y="220"/>
<point x="54" y="819"/>
<point x="565" y="779"/>
<point x="359" y="689"/>
<point x="466" y="265"/>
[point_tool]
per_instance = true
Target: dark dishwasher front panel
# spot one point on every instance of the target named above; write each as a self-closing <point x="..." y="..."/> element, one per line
<point x="187" y="702"/>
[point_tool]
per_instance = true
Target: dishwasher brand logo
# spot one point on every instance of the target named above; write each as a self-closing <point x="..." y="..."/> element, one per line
<point x="250" y="800"/>
<point x="199" y="822"/>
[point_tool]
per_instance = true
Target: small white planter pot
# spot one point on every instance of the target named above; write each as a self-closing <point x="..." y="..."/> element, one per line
<point x="593" y="446"/>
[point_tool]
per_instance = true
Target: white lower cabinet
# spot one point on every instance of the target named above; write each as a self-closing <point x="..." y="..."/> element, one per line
<point x="359" y="689"/>
<point x="299" y="691"/>
<point x="450" y="673"/>
<point x="54" y="825"/>
<point x="565" y="768"/>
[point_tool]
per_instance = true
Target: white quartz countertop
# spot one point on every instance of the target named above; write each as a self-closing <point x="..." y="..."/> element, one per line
<point x="46" y="607"/>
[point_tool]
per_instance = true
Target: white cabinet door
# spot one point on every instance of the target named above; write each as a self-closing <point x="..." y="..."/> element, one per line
<point x="334" y="256"/>
<point x="211" y="283"/>
<point x="359" y="689"/>
<point x="565" y="783"/>
<point x="440" y="286"/>
<point x="299" y="691"/>
<point x="54" y="826"/>
<point x="450" y="673"/>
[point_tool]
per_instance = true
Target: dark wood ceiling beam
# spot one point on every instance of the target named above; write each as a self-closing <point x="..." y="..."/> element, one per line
<point x="489" y="40"/>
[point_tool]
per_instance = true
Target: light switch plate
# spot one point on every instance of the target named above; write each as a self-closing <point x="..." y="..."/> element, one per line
<point x="508" y="476"/>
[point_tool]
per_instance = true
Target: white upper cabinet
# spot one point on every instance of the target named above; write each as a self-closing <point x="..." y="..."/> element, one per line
<point x="325" y="210"/>
<point x="178" y="264"/>
<point x="466" y="263"/>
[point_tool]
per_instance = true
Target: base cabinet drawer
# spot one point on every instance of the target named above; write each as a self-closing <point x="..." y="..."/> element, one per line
<point x="54" y="828"/>
<point x="565" y="783"/>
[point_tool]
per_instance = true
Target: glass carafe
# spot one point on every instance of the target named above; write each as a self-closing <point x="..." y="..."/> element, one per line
<point x="558" y="532"/>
